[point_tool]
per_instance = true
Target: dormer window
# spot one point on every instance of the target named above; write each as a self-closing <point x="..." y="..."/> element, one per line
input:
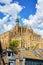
<point x="9" y="54"/>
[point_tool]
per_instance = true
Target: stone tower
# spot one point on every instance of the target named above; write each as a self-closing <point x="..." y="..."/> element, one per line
<point x="17" y="21"/>
<point x="17" y="25"/>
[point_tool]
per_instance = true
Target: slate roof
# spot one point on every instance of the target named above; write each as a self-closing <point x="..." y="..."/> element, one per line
<point x="35" y="54"/>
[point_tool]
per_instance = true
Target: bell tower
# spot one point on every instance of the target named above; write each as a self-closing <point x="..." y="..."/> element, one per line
<point x="17" y="24"/>
<point x="17" y="21"/>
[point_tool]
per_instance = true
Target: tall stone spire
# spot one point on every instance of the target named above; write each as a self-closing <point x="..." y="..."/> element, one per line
<point x="17" y="25"/>
<point x="17" y="21"/>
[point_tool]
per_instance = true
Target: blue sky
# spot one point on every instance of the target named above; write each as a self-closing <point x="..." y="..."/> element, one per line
<point x="30" y="13"/>
<point x="29" y="7"/>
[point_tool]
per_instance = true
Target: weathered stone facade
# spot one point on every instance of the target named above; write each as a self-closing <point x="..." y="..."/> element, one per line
<point x="25" y="35"/>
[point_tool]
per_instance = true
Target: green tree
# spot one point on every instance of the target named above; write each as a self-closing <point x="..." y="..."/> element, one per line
<point x="14" y="45"/>
<point x="33" y="47"/>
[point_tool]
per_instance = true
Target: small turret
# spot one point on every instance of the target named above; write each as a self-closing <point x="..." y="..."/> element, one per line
<point x="31" y="30"/>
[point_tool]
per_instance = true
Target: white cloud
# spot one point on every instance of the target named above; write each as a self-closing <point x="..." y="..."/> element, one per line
<point x="5" y="1"/>
<point x="10" y="10"/>
<point x="36" y="21"/>
<point x="2" y="21"/>
<point x="7" y="27"/>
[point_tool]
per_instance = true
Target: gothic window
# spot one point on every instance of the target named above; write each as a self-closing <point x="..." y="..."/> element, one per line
<point x="15" y="32"/>
<point x="23" y="30"/>
<point x="19" y="29"/>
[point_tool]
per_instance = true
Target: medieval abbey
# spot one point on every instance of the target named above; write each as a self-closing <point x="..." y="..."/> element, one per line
<point x="25" y="35"/>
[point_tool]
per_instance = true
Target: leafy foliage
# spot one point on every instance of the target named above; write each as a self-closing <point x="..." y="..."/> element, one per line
<point x="33" y="47"/>
<point x="14" y="45"/>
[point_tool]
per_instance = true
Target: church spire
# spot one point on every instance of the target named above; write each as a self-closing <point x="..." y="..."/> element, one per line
<point x="17" y="24"/>
<point x="17" y="20"/>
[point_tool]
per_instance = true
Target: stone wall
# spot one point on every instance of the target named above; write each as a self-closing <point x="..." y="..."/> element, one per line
<point x="28" y="37"/>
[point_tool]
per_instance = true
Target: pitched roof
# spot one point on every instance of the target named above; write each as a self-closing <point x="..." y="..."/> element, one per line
<point x="32" y="54"/>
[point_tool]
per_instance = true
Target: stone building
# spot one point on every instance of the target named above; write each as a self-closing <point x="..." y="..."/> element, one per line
<point x="25" y="35"/>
